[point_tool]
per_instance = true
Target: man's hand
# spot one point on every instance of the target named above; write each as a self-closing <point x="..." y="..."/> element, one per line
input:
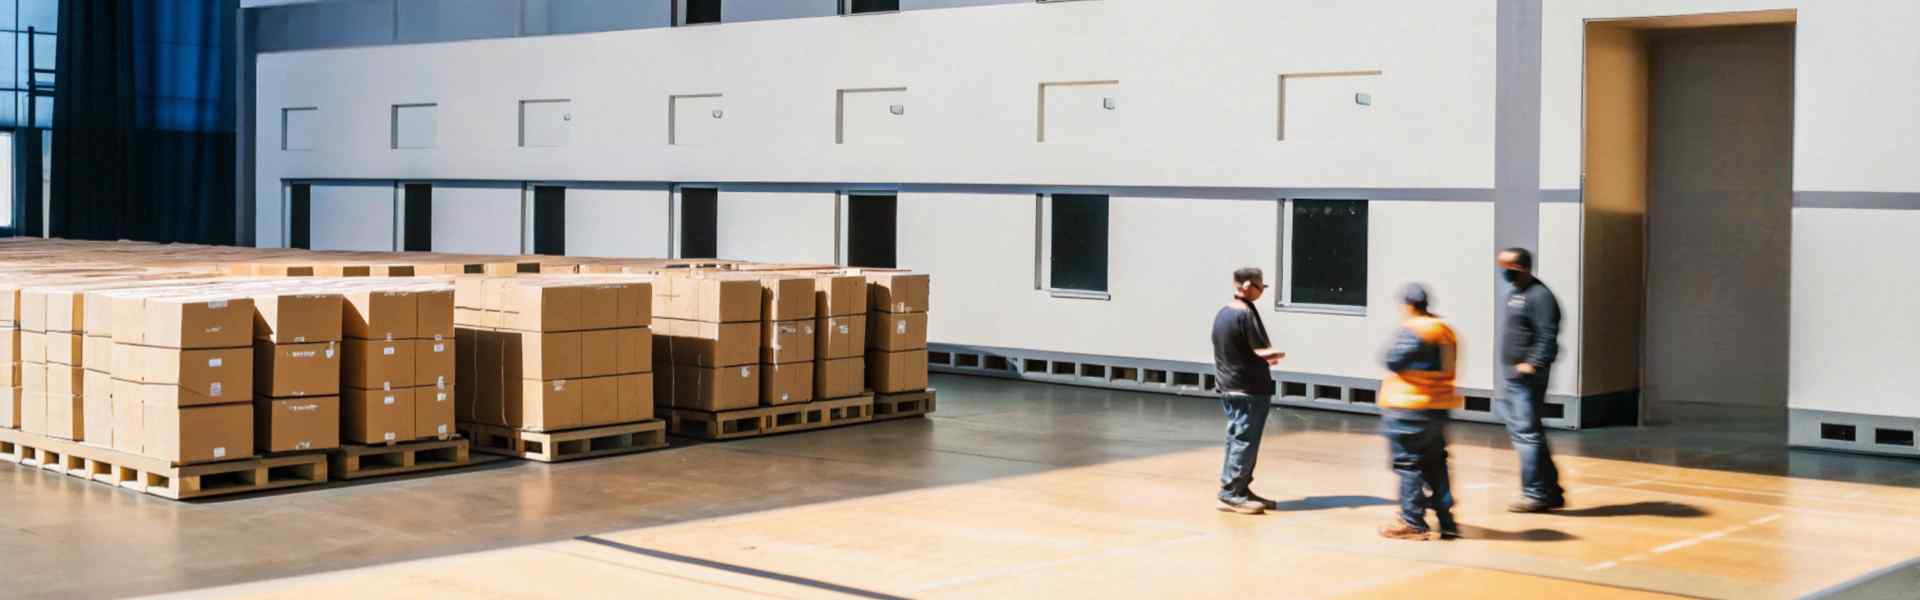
<point x="1272" y="356"/>
<point x="1524" y="368"/>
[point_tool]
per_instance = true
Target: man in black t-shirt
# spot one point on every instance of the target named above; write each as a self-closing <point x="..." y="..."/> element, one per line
<point x="1528" y="347"/>
<point x="1243" y="360"/>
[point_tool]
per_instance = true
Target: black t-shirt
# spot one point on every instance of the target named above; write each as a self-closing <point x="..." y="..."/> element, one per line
<point x="1237" y="331"/>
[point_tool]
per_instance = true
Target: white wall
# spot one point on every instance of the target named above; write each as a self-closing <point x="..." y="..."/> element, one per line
<point x="1854" y="318"/>
<point x="350" y="216"/>
<point x="614" y="221"/>
<point x="780" y="227"/>
<point x="477" y="218"/>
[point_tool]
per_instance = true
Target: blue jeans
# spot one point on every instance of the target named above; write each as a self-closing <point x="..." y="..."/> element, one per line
<point x="1520" y="406"/>
<point x="1417" y="440"/>
<point x="1246" y="422"/>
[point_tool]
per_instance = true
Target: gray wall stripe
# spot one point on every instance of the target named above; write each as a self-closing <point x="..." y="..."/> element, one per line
<point x="1516" y="140"/>
<point x="1870" y="200"/>
<point x="1560" y="196"/>
<point x="1192" y="192"/>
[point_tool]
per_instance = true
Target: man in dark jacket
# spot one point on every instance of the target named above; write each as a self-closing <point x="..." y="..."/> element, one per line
<point x="1243" y="359"/>
<point x="1527" y="351"/>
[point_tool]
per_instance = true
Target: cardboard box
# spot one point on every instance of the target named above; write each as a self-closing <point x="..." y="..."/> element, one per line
<point x="599" y="353"/>
<point x="210" y="376"/>
<point x="380" y="315"/>
<point x="10" y="376"/>
<point x="33" y="411"/>
<point x="634" y="350"/>
<point x="66" y="381"/>
<point x="545" y="306"/>
<point x="474" y="317"/>
<point x="712" y="389"/>
<point x="66" y="417"/>
<point x="709" y="300"/>
<point x="298" y="318"/>
<point x="196" y="434"/>
<point x="636" y="397"/>
<point x="543" y="405"/>
<point x="66" y="349"/>
<point x="466" y="354"/>
<point x="636" y="304"/>
<point x="377" y="364"/>
<point x="9" y="345"/>
<point x="786" y="298"/>
<point x="98" y="353"/>
<point x="434" y="321"/>
<point x="10" y="407"/>
<point x="704" y="344"/>
<point x="433" y="412"/>
<point x="840" y="337"/>
<point x="786" y="384"/>
<point x="434" y="362"/>
<point x="129" y="417"/>
<point x="33" y="346"/>
<point x="599" y="307"/>
<point x="535" y="355"/>
<point x="96" y="422"/>
<point x="899" y="292"/>
<point x="599" y="401"/>
<point x="292" y="424"/>
<point x="33" y="377"/>
<point x="184" y="321"/>
<point x="296" y="370"/>
<point x="783" y="342"/>
<point x="897" y="332"/>
<point x="895" y="372"/>
<point x="377" y="416"/>
<point x="840" y="295"/>
<point x="839" y="378"/>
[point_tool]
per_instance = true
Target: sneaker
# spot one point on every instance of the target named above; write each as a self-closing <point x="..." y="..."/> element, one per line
<point x="1403" y="531"/>
<point x="1264" y="503"/>
<point x="1536" y="505"/>
<point x="1242" y="505"/>
<point x="1448" y="529"/>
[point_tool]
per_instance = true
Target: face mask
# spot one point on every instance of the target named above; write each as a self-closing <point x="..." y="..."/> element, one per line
<point x="1510" y="275"/>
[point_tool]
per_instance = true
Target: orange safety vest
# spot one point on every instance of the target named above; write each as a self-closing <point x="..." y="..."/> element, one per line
<point x="1426" y="389"/>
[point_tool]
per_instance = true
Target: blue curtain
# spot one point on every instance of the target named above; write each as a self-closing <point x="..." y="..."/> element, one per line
<point x="143" y="129"/>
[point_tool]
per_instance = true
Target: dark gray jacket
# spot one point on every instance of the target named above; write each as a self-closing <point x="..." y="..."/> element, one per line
<point x="1532" y="318"/>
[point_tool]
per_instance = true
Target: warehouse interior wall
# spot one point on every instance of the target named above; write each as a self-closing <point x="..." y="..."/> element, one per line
<point x="1614" y="210"/>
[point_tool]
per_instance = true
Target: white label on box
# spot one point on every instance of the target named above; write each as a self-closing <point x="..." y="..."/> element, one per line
<point x="438" y="348"/>
<point x="440" y="381"/>
<point x="443" y="430"/>
<point x="389" y="436"/>
<point x="559" y="384"/>
<point x="386" y="386"/>
<point x="217" y="304"/>
<point x="900" y="327"/>
<point x="303" y="445"/>
<point x="214" y="363"/>
<point x="220" y="452"/>
<point x="437" y="337"/>
<point x="215" y="329"/>
<point x="783" y="396"/>
<point x="746" y="372"/>
<point x="307" y="354"/>
<point x="843" y="330"/>
<point x="329" y="350"/>
<point x="214" y="389"/>
<point x="388" y="400"/>
<point x="440" y="397"/>
<point x="809" y="327"/>
<point x="389" y="336"/>
<point x="299" y="339"/>
<point x="302" y="407"/>
<point x="389" y="350"/>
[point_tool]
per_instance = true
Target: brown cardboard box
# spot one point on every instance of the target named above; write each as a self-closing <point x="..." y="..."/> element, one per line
<point x="783" y="342"/>
<point x="599" y="401"/>
<point x="129" y="417"/>
<point x="786" y="384"/>
<point x="599" y="306"/>
<point x="210" y="376"/>
<point x="381" y="315"/>
<point x="296" y="370"/>
<point x="66" y="417"/>
<point x="434" y="362"/>
<point x="715" y="389"/>
<point x="538" y="356"/>
<point x="839" y="378"/>
<point x="9" y="345"/>
<point x="636" y="304"/>
<point x="195" y="434"/>
<point x="490" y="376"/>
<point x="710" y="300"/>
<point x="470" y="293"/>
<point x="290" y="424"/>
<point x="704" y="344"/>
<point x="193" y="322"/>
<point x="786" y="298"/>
<point x="895" y="372"/>
<point x="896" y="332"/>
<point x="377" y="416"/>
<point x="291" y="318"/>
<point x="840" y="337"/>
<point x="10" y="375"/>
<point x="433" y="412"/>
<point x="635" y="350"/>
<point x="636" y="397"/>
<point x="543" y="405"/>
<point x="10" y="407"/>
<point x="898" y="292"/>
<point x="599" y="353"/>
<point x="377" y="365"/>
<point x="435" y="317"/>
<point x="840" y="295"/>
<point x="33" y="377"/>
<point x="539" y="305"/>
<point x="66" y="381"/>
<point x="96" y="423"/>
<point x="466" y="354"/>
<point x="33" y="346"/>
<point x="66" y="349"/>
<point x="98" y="353"/>
<point x="33" y="411"/>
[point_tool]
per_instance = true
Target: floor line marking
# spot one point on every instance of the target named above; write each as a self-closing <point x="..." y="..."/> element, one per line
<point x="1764" y="520"/>
<point x="740" y="570"/>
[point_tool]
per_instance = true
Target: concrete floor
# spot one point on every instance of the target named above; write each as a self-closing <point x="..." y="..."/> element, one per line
<point x="1012" y="490"/>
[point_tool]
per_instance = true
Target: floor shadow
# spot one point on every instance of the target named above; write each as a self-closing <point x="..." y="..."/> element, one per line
<point x="1674" y="510"/>
<point x="1471" y="532"/>
<point x="1331" y="502"/>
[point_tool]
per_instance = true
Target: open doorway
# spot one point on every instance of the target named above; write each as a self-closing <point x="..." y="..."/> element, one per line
<point x="1688" y="211"/>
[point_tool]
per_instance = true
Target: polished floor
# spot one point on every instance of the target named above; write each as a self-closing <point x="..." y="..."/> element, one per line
<point x="1012" y="490"/>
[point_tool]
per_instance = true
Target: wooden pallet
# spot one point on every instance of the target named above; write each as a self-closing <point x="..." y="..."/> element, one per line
<point x="353" y="461"/>
<point x="573" y="444"/>
<point x="902" y="405"/>
<point x="159" y="477"/>
<point x="769" y="420"/>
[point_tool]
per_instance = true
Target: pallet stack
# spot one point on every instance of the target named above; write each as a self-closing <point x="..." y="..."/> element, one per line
<point x="787" y="339"/>
<point x="897" y="343"/>
<point x="841" y="335"/>
<point x="708" y="329"/>
<point x="187" y="355"/>
<point x="297" y="357"/>
<point x="398" y="391"/>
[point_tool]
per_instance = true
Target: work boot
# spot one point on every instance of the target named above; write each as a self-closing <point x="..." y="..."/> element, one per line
<point x="1403" y="531"/>
<point x="1535" y="505"/>
<point x="1264" y="503"/>
<point x="1448" y="529"/>
<point x="1245" y="506"/>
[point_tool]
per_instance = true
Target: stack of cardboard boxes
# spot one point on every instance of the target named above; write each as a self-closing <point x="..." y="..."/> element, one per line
<point x="182" y="374"/>
<point x="897" y="326"/>
<point x="709" y="329"/>
<point x="397" y="377"/>
<point x="787" y="339"/>
<point x="840" y="335"/>
<point x="553" y="354"/>
<point x="53" y="379"/>
<point x="10" y="358"/>
<point x="296" y="359"/>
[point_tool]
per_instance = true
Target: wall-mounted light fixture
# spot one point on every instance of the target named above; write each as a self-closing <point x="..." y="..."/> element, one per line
<point x="1109" y="103"/>
<point x="717" y="113"/>
<point x="897" y="109"/>
<point x="1363" y="99"/>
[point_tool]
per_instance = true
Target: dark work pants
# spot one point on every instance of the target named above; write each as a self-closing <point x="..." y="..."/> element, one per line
<point x="1246" y="422"/>
<point x="1417" y="441"/>
<point x="1520" y="406"/>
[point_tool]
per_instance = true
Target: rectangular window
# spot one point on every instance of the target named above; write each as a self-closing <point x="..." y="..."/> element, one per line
<point x="694" y="12"/>
<point x="418" y="236"/>
<point x="300" y="216"/>
<point x="550" y="220"/>
<point x="1327" y="253"/>
<point x="872" y="231"/>
<point x="415" y="126"/>
<point x="854" y="7"/>
<point x="1079" y="247"/>
<point x="699" y="223"/>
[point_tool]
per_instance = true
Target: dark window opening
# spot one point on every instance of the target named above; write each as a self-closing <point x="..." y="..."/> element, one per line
<point x="1836" y="432"/>
<point x="419" y="230"/>
<point x="872" y="231"/>
<point x="699" y="223"/>
<point x="550" y="220"/>
<point x="1079" y="242"/>
<point x="855" y="7"/>
<point x="701" y="11"/>
<point x="300" y="221"/>
<point x="1330" y="252"/>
